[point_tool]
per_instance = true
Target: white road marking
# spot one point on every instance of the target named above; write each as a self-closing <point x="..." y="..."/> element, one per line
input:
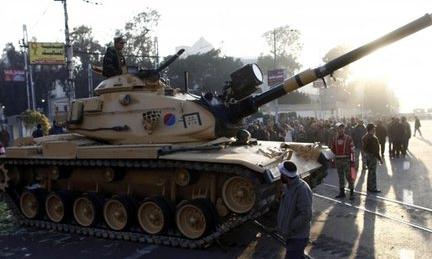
<point x="406" y="165"/>
<point x="406" y="254"/>
<point x="408" y="196"/>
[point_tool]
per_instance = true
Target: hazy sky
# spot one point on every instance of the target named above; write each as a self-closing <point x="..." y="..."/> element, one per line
<point x="237" y="27"/>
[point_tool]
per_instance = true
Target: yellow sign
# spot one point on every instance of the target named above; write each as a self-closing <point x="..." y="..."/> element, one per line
<point x="47" y="53"/>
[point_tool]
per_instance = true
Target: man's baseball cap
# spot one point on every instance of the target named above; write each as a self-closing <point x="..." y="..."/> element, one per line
<point x="288" y="169"/>
<point x="340" y="124"/>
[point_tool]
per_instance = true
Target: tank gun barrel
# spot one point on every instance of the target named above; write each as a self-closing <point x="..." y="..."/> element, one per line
<point x="250" y="105"/>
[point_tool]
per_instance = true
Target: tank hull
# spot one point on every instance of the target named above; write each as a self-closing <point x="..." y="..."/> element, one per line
<point x="228" y="183"/>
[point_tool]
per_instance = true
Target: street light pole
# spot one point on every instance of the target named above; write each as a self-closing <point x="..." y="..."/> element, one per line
<point x="69" y="55"/>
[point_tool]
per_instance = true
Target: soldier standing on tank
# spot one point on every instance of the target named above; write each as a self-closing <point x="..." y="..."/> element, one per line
<point x="381" y="133"/>
<point x="295" y="211"/>
<point x="343" y="148"/>
<point x="371" y="151"/>
<point x="114" y="62"/>
<point x="417" y="126"/>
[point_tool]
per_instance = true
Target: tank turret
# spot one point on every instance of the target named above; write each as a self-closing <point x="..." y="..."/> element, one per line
<point x="131" y="109"/>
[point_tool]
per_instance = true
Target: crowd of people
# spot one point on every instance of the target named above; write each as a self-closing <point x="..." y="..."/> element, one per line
<point x="396" y="129"/>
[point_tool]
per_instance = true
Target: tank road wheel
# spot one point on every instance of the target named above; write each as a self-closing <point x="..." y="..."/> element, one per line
<point x="56" y="207"/>
<point x="85" y="210"/>
<point x="31" y="203"/>
<point x="194" y="219"/>
<point x="154" y="215"/>
<point x="117" y="213"/>
<point x="238" y="194"/>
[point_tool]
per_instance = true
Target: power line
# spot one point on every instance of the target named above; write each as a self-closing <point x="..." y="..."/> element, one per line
<point x="92" y="2"/>
<point x="42" y="15"/>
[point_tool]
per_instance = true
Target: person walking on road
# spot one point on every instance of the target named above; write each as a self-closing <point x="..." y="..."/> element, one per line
<point x="406" y="136"/>
<point x="343" y="148"/>
<point x="371" y="150"/>
<point x="381" y="133"/>
<point x="398" y="135"/>
<point x="295" y="211"/>
<point x="357" y="133"/>
<point x="417" y="126"/>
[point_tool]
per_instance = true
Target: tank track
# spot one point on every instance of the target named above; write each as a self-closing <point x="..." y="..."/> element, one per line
<point x="264" y="197"/>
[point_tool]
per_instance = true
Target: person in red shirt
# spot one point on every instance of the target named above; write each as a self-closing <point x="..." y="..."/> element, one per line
<point x="343" y="148"/>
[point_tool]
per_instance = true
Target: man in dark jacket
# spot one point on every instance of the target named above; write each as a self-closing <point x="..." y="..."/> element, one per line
<point x="405" y="136"/>
<point x="371" y="151"/>
<point x="357" y="133"/>
<point x="381" y="133"/>
<point x="398" y="135"/>
<point x="114" y="62"/>
<point x="295" y="211"/>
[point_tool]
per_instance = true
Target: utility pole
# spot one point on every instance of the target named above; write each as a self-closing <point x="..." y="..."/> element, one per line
<point x="69" y="55"/>
<point x="90" y="80"/>
<point x="28" y="83"/>
<point x="28" y="71"/>
<point x="274" y="48"/>
<point x="156" y="43"/>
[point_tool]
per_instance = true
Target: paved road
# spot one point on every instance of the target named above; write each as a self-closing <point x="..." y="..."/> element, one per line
<point x="369" y="227"/>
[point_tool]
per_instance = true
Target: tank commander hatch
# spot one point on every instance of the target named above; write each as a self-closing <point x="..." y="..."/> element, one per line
<point x="114" y="62"/>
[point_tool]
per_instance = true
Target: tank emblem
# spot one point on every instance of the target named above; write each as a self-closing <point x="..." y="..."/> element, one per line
<point x="169" y="119"/>
<point x="191" y="120"/>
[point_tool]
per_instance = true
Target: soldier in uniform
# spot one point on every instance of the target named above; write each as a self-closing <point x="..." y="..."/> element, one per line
<point x="371" y="151"/>
<point x="114" y="62"/>
<point x="343" y="148"/>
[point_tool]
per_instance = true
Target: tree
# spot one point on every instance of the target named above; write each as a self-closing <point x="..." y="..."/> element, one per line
<point x="284" y="43"/>
<point x="31" y="118"/>
<point x="207" y="72"/>
<point x="340" y="76"/>
<point x="86" y="51"/>
<point x="377" y="97"/>
<point x="139" y="35"/>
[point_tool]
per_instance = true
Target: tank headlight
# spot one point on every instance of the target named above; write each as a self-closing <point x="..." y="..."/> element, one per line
<point x="245" y="81"/>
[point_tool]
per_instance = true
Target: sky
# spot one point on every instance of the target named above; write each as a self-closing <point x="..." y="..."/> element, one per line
<point x="236" y="27"/>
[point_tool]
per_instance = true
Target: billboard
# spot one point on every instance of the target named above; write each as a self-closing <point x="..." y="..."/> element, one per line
<point x="51" y="53"/>
<point x="275" y="77"/>
<point x="14" y="75"/>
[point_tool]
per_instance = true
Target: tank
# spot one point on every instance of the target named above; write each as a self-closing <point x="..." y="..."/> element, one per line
<point x="144" y="161"/>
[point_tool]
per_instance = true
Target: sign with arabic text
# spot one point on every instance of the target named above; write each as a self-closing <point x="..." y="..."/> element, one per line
<point x="50" y="53"/>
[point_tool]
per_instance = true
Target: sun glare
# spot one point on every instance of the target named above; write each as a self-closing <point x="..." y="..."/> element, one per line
<point x="406" y="66"/>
